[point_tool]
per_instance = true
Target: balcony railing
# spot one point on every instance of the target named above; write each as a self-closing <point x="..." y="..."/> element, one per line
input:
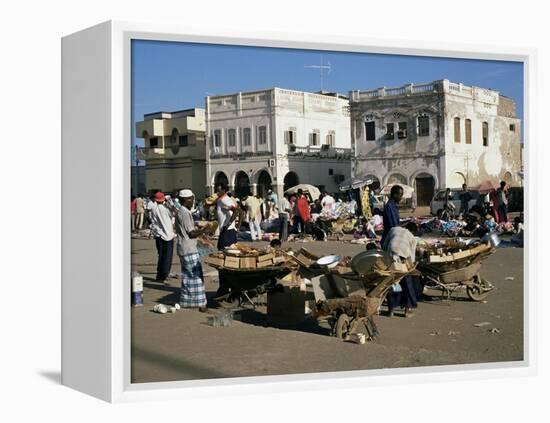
<point x="173" y="151"/>
<point x="321" y="151"/>
<point x="239" y="156"/>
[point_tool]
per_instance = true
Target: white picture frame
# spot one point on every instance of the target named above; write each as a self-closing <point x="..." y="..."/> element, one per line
<point x="96" y="131"/>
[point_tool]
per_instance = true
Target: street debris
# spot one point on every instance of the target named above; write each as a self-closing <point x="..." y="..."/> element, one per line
<point x="160" y="308"/>
<point x="481" y="324"/>
<point x="434" y="333"/>
<point x="509" y="278"/>
<point x="453" y="333"/>
<point x="456" y="318"/>
<point x="495" y="330"/>
<point x="358" y="338"/>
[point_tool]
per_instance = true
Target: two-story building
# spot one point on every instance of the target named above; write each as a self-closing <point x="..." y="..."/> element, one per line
<point x="435" y="135"/>
<point x="277" y="138"/>
<point x="174" y="151"/>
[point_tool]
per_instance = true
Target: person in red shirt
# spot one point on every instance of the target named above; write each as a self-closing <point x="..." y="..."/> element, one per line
<point x="133" y="212"/>
<point x="304" y="215"/>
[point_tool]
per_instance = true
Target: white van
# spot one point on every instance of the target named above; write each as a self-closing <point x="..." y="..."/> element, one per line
<point x="438" y="201"/>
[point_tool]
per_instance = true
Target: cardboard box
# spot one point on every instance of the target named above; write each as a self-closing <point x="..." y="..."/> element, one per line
<point x="264" y="257"/>
<point x="265" y="263"/>
<point x="248" y="263"/>
<point x="214" y="261"/>
<point x="279" y="259"/>
<point x="304" y="260"/>
<point x="232" y="262"/>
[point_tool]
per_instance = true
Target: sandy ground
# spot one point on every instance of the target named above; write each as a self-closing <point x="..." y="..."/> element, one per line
<point x="183" y="346"/>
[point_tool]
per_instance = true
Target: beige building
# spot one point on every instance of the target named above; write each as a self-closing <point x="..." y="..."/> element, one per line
<point x="435" y="135"/>
<point x="174" y="150"/>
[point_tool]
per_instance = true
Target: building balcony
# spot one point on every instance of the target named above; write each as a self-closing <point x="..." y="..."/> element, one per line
<point x="194" y="151"/>
<point x="320" y="151"/>
<point x="239" y="156"/>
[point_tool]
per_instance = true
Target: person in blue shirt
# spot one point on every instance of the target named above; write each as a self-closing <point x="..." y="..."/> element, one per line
<point x="391" y="212"/>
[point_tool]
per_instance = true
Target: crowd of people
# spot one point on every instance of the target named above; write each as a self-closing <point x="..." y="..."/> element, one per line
<point x="175" y="218"/>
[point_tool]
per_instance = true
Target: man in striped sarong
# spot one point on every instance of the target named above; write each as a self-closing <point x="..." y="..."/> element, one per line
<point x="192" y="294"/>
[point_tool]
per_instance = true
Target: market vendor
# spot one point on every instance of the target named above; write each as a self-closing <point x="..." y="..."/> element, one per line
<point x="391" y="211"/>
<point x="401" y="244"/>
<point x="227" y="212"/>
<point x="192" y="293"/>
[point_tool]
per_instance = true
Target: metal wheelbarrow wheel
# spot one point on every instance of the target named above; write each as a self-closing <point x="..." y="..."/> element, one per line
<point x="479" y="289"/>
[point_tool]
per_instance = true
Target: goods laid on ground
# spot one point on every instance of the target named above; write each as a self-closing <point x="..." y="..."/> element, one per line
<point x="454" y="264"/>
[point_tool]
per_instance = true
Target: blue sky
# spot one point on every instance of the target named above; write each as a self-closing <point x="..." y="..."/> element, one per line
<point x="171" y="76"/>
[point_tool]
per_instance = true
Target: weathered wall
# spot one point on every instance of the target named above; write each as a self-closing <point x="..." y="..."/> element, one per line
<point x="408" y="157"/>
<point x="474" y="163"/>
<point x="450" y="163"/>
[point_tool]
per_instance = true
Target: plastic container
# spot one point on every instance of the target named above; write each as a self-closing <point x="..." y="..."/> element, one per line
<point x="137" y="290"/>
<point x="222" y="319"/>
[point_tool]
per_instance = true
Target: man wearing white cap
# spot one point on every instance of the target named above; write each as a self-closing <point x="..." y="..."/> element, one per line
<point x="192" y="294"/>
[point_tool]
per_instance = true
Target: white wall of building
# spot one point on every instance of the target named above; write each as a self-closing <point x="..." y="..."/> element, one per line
<point x="277" y="110"/>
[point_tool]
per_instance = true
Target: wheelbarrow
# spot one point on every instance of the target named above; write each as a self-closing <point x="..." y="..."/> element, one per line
<point x="350" y="300"/>
<point x="456" y="272"/>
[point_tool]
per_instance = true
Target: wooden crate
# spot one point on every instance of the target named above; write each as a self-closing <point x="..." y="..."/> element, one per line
<point x="214" y="261"/>
<point x="265" y="257"/>
<point x="265" y="263"/>
<point x="248" y="263"/>
<point x="232" y="262"/>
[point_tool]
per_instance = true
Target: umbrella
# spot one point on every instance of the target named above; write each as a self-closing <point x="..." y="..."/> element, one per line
<point x="310" y="189"/>
<point x="354" y="183"/>
<point x="486" y="186"/>
<point x="407" y="190"/>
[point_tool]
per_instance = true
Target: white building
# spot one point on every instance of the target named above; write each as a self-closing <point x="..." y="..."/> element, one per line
<point x="277" y="138"/>
<point x="435" y="135"/>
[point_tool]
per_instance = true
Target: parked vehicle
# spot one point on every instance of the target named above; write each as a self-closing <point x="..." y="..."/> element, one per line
<point x="378" y="203"/>
<point x="438" y="202"/>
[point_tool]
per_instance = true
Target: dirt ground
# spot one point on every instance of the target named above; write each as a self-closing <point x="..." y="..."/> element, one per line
<point x="182" y="346"/>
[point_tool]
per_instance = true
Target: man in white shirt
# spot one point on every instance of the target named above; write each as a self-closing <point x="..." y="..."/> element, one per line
<point x="254" y="216"/>
<point x="285" y="209"/>
<point x="140" y="211"/>
<point x="328" y="203"/>
<point x="163" y="231"/>
<point x="227" y="212"/>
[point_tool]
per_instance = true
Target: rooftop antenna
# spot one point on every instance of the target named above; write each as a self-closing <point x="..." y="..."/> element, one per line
<point x="322" y="67"/>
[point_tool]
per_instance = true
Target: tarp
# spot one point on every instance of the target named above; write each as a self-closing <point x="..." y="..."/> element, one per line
<point x="407" y="190"/>
<point x="310" y="189"/>
<point x="354" y="183"/>
<point x="487" y="186"/>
